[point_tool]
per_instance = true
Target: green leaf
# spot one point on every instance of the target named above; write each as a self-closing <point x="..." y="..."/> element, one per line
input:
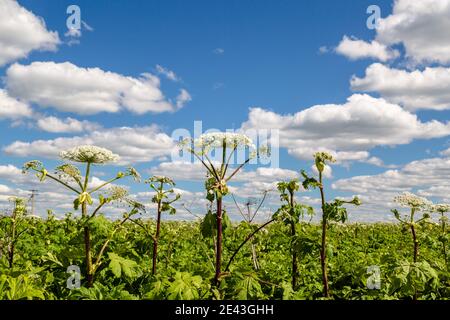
<point x="119" y="266"/>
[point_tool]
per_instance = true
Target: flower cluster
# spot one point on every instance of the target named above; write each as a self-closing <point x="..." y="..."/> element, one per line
<point x="413" y="201"/>
<point x="32" y="165"/>
<point x="89" y="154"/>
<point x="161" y="179"/>
<point x="324" y="157"/>
<point x="220" y="139"/>
<point x="441" y="208"/>
<point x="117" y="193"/>
<point x="68" y="171"/>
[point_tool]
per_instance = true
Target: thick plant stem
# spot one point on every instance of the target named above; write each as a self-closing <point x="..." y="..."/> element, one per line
<point x="323" y="255"/>
<point x="87" y="235"/>
<point x="219" y="241"/>
<point x="294" y="261"/>
<point x="156" y="239"/>
<point x="87" y="249"/>
<point x="444" y="243"/>
<point x="11" y="255"/>
<point x="294" y="253"/>
<point x="416" y="251"/>
<point x="416" y="243"/>
<point x="13" y="239"/>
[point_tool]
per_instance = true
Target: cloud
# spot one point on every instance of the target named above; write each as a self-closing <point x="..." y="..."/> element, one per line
<point x="12" y="108"/>
<point x="427" y="89"/>
<point x="169" y="74"/>
<point x="70" y="125"/>
<point x="219" y="51"/>
<point x="138" y="144"/>
<point x="22" y="32"/>
<point x="428" y="177"/>
<point x="355" y="49"/>
<point x="183" y="98"/>
<point x="421" y="26"/>
<point x="355" y="127"/>
<point x="323" y="50"/>
<point x="69" y="88"/>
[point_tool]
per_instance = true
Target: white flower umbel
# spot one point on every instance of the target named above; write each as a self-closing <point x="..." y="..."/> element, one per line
<point x="220" y="139"/>
<point x="410" y="200"/>
<point x="89" y="154"/>
<point x="441" y="208"/>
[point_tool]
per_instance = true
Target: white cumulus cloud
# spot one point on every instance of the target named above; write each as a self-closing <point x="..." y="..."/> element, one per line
<point x="22" y="32"/>
<point x="358" y="125"/>
<point x="70" y="125"/>
<point x="69" y="88"/>
<point x="138" y="144"/>
<point x="12" y="108"/>
<point x="355" y="49"/>
<point x="427" y="89"/>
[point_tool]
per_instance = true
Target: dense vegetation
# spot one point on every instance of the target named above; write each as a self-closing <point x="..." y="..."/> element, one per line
<point x="46" y="247"/>
<point x="287" y="257"/>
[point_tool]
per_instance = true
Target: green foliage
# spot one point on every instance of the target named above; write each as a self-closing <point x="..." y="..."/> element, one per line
<point x="208" y="225"/>
<point x="49" y="246"/>
<point x="184" y="287"/>
<point x="409" y="277"/>
<point x="123" y="267"/>
<point x="21" y="287"/>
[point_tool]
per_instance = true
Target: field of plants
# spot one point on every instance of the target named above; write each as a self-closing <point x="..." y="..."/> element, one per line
<point x="287" y="257"/>
<point x="186" y="262"/>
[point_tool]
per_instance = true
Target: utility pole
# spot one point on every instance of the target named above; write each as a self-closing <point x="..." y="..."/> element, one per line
<point x="32" y="198"/>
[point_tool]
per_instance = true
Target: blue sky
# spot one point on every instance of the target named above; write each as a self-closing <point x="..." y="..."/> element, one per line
<point x="230" y="56"/>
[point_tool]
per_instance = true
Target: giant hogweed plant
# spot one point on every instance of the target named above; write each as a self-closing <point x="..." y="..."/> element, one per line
<point x="290" y="213"/>
<point x="416" y="205"/>
<point x="163" y="188"/>
<point x="331" y="211"/>
<point x="70" y="177"/>
<point x="15" y="227"/>
<point x="413" y="277"/>
<point x="442" y="209"/>
<point x="219" y="175"/>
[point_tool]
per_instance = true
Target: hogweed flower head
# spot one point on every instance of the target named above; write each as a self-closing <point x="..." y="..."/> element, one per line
<point x="219" y="139"/>
<point x="441" y="208"/>
<point x="89" y="154"/>
<point x="68" y="171"/>
<point x="116" y="193"/>
<point x="410" y="200"/>
<point x="134" y="173"/>
<point x="32" y="165"/>
<point x="161" y="179"/>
